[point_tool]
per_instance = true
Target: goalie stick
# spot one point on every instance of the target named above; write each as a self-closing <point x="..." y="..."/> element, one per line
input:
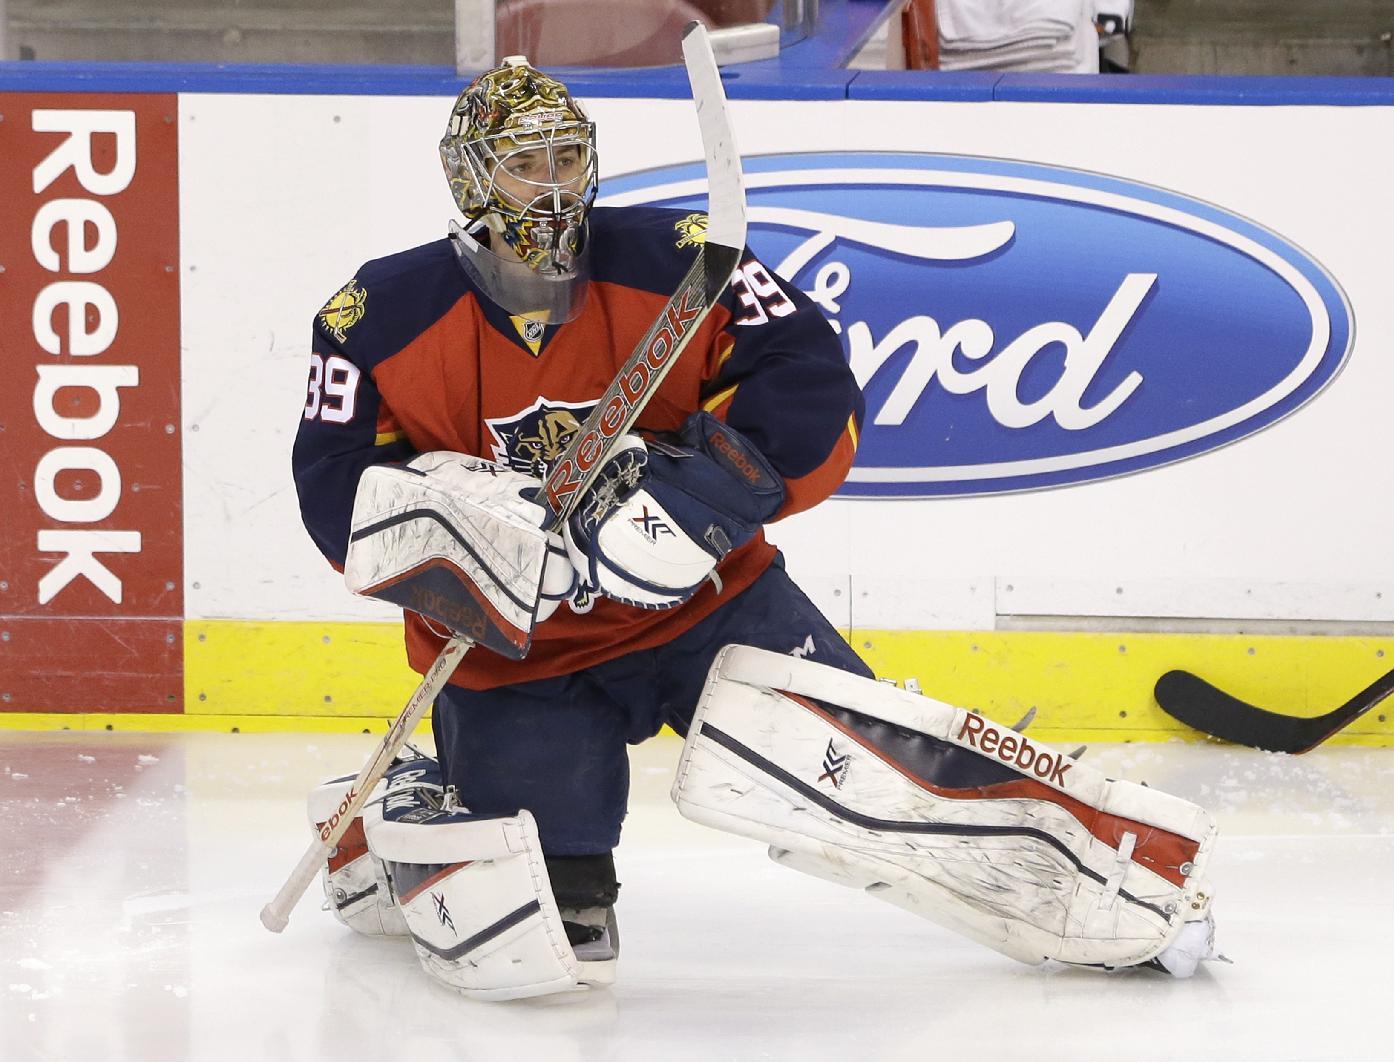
<point x="1195" y="702"/>
<point x="614" y="414"/>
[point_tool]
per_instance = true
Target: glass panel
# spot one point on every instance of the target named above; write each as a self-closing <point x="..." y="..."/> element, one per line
<point x="595" y="33"/>
<point x="400" y="32"/>
<point x="612" y="33"/>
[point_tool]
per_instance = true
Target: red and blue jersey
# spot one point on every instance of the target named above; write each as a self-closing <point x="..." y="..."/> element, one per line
<point x="409" y="357"/>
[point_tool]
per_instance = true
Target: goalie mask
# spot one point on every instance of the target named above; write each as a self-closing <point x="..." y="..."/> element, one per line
<point x="519" y="154"/>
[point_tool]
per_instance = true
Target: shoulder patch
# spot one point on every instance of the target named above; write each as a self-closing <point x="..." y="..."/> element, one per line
<point x="691" y="230"/>
<point x="344" y="310"/>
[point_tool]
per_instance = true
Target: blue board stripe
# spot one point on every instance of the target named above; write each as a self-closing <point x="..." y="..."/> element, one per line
<point x="1198" y="91"/>
<point x="763" y="81"/>
<point x="746" y="81"/>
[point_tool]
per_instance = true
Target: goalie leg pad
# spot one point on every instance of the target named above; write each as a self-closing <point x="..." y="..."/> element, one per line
<point x="356" y="888"/>
<point x="969" y="824"/>
<point x="355" y="884"/>
<point x="476" y="898"/>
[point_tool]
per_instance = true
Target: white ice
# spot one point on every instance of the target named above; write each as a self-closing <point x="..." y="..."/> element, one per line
<point x="132" y="868"/>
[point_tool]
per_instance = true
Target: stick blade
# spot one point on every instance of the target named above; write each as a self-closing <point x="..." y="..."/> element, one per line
<point x="1189" y="699"/>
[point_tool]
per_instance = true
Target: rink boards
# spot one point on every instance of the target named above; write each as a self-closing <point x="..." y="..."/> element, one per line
<point x="1171" y="454"/>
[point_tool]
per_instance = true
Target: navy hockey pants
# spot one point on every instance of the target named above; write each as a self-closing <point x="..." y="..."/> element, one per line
<point x="557" y="746"/>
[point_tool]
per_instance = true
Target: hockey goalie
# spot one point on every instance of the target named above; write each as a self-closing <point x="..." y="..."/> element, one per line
<point x="444" y="381"/>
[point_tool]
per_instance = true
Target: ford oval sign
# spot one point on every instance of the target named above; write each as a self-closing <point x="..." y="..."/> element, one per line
<point x="1017" y="326"/>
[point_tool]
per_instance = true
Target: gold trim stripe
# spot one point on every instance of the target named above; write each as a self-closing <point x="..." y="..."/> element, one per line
<point x="1098" y="686"/>
<point x="347" y="677"/>
<point x="309" y="670"/>
<point x="721" y="396"/>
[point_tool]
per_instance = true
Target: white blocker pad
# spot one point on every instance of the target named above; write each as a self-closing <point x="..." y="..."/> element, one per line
<point x="942" y="812"/>
<point x="477" y="902"/>
<point x="449" y="537"/>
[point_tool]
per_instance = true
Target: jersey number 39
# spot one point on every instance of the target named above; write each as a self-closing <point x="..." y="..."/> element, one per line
<point x="760" y="294"/>
<point x="333" y="387"/>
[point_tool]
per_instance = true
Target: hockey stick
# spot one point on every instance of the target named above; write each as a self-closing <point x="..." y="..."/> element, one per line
<point x="615" y="413"/>
<point x="1198" y="704"/>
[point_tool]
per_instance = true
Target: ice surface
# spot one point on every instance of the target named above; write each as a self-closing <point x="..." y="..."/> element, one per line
<point x="134" y="867"/>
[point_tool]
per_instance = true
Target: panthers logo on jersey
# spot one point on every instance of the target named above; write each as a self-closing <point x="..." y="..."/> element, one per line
<point x="344" y="310"/>
<point x="692" y="230"/>
<point x="531" y="440"/>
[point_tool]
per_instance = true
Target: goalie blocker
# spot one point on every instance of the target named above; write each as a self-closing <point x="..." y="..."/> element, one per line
<point x="459" y="540"/>
<point x="948" y="815"/>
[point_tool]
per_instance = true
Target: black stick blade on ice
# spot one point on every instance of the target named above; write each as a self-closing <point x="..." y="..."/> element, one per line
<point x="1193" y="701"/>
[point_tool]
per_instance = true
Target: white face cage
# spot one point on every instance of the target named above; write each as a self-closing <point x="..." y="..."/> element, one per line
<point x="540" y="184"/>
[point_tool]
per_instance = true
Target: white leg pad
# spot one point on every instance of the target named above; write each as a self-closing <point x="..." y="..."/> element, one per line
<point x="354" y="880"/>
<point x="478" y="902"/>
<point x="942" y="812"/>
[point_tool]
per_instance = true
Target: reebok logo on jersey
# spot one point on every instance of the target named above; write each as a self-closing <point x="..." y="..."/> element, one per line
<point x="1014" y="750"/>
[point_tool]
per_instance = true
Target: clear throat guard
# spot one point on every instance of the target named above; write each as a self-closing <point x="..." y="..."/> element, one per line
<point x="509" y="282"/>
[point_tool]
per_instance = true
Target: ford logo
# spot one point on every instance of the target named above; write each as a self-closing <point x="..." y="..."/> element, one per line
<point x="1017" y="326"/>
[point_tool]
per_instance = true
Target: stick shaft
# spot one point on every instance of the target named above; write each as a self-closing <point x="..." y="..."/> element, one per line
<point x="276" y="914"/>
<point x="655" y="354"/>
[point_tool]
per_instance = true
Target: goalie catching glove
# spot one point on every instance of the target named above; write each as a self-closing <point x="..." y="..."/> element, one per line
<point x="659" y="518"/>
<point x="459" y="540"/>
